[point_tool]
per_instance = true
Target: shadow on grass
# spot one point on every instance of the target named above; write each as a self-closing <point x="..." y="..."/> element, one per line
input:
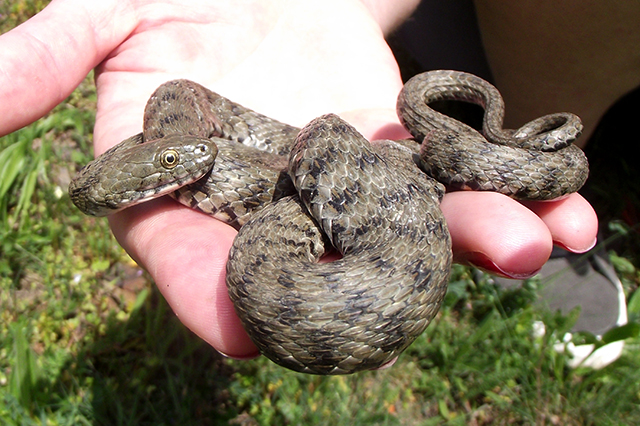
<point x="152" y="370"/>
<point x="477" y="364"/>
<point x="148" y="370"/>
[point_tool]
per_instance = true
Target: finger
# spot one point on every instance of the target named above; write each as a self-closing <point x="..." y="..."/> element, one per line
<point x="572" y="222"/>
<point x="44" y="59"/>
<point x="496" y="233"/>
<point x="186" y="253"/>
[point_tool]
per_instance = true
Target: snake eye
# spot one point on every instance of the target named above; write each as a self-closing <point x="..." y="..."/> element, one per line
<point x="169" y="158"/>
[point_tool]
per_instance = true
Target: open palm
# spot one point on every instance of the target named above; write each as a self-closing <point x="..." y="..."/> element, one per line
<point x="290" y="60"/>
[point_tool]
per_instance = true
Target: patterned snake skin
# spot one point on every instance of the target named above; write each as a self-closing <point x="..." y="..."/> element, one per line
<point x="296" y="194"/>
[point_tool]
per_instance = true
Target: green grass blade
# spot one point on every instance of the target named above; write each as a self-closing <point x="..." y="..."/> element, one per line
<point x="12" y="160"/>
<point x="25" y="373"/>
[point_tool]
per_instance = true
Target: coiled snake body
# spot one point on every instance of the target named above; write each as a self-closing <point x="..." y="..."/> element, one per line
<point x="294" y="193"/>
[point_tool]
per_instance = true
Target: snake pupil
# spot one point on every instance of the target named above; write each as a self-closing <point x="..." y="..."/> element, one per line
<point x="169" y="158"/>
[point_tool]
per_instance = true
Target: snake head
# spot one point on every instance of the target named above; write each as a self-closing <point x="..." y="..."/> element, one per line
<point x="134" y="172"/>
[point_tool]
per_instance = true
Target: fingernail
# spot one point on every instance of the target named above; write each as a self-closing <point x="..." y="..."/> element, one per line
<point x="386" y="365"/>
<point x="483" y="262"/>
<point x="577" y="250"/>
<point x="240" y="357"/>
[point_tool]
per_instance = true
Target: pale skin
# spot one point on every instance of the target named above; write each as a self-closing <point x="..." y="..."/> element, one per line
<point x="293" y="60"/>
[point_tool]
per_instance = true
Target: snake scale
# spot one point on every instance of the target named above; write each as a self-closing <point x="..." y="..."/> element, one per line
<point x="295" y="194"/>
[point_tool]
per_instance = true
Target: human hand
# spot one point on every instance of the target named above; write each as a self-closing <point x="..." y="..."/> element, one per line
<point x="289" y="60"/>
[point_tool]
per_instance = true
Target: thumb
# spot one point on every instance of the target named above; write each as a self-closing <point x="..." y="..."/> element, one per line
<point x="44" y="59"/>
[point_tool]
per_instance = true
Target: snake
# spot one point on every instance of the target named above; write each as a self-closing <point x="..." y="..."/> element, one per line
<point x="297" y="194"/>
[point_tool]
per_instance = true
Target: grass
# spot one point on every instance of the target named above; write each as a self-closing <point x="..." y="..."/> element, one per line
<point x="85" y="339"/>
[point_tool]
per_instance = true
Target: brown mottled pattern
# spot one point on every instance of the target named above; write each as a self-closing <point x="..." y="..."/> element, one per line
<point x="294" y="200"/>
<point x="535" y="162"/>
<point x="363" y="310"/>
